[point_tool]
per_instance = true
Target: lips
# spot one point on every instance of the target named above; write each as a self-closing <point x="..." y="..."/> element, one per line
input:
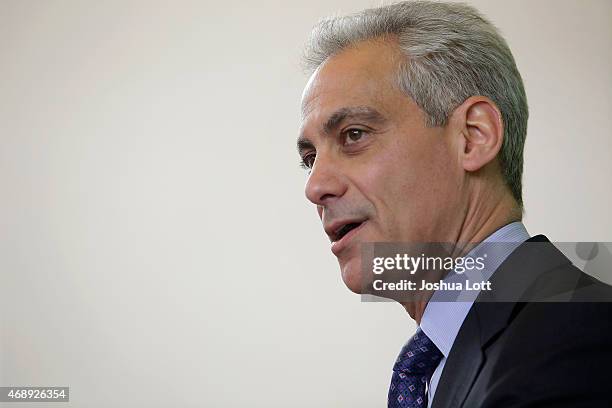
<point x="345" y="229"/>
<point x="341" y="232"/>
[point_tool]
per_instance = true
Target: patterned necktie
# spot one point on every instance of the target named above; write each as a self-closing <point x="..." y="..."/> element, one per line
<point x="412" y="371"/>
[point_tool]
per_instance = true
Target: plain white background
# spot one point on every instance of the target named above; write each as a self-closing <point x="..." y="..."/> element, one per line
<point x="156" y="248"/>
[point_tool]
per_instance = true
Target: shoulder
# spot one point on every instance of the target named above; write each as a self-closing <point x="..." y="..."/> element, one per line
<point x="554" y="350"/>
<point x="582" y="318"/>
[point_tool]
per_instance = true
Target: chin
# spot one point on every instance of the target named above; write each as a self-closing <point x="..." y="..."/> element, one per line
<point x="351" y="274"/>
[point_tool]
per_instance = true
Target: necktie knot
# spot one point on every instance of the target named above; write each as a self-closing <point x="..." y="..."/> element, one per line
<point x="412" y="371"/>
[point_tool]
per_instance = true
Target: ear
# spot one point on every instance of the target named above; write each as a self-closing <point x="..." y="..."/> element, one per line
<point x="483" y="131"/>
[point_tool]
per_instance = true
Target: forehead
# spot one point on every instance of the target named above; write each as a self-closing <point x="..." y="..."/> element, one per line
<point x="361" y="75"/>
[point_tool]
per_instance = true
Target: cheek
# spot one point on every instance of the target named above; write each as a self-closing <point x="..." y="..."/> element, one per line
<point x="393" y="176"/>
<point x="387" y="183"/>
<point x="410" y="184"/>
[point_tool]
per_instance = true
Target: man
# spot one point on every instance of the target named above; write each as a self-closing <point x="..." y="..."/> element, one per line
<point x="413" y="127"/>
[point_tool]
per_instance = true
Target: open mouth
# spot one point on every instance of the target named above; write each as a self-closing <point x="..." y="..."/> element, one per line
<point x="345" y="229"/>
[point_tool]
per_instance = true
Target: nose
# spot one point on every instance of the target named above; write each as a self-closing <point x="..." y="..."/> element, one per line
<point x="325" y="182"/>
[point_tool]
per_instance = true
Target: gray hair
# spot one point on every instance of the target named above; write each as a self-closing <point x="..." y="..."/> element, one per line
<point x="452" y="53"/>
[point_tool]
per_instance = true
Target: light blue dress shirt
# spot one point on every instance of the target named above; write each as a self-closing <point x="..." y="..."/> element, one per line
<point x="442" y="318"/>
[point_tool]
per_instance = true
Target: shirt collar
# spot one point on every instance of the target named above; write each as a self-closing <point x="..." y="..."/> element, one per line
<point x="442" y="319"/>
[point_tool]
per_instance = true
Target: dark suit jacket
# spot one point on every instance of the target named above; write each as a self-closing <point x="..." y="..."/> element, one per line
<point x="531" y="353"/>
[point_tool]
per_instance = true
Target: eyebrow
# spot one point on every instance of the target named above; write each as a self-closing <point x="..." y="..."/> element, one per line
<point x="364" y="113"/>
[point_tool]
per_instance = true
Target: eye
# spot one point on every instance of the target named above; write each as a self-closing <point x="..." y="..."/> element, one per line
<point x="353" y="136"/>
<point x="308" y="161"/>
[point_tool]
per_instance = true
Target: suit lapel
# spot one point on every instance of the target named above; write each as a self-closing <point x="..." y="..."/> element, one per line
<point x="489" y="315"/>
<point x="459" y="373"/>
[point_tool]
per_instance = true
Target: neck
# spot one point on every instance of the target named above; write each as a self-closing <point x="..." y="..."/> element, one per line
<point x="480" y="221"/>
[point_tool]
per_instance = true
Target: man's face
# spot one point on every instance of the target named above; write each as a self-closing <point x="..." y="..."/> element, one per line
<point x="380" y="174"/>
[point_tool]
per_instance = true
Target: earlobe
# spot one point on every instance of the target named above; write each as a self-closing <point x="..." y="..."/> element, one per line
<point x="484" y="132"/>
